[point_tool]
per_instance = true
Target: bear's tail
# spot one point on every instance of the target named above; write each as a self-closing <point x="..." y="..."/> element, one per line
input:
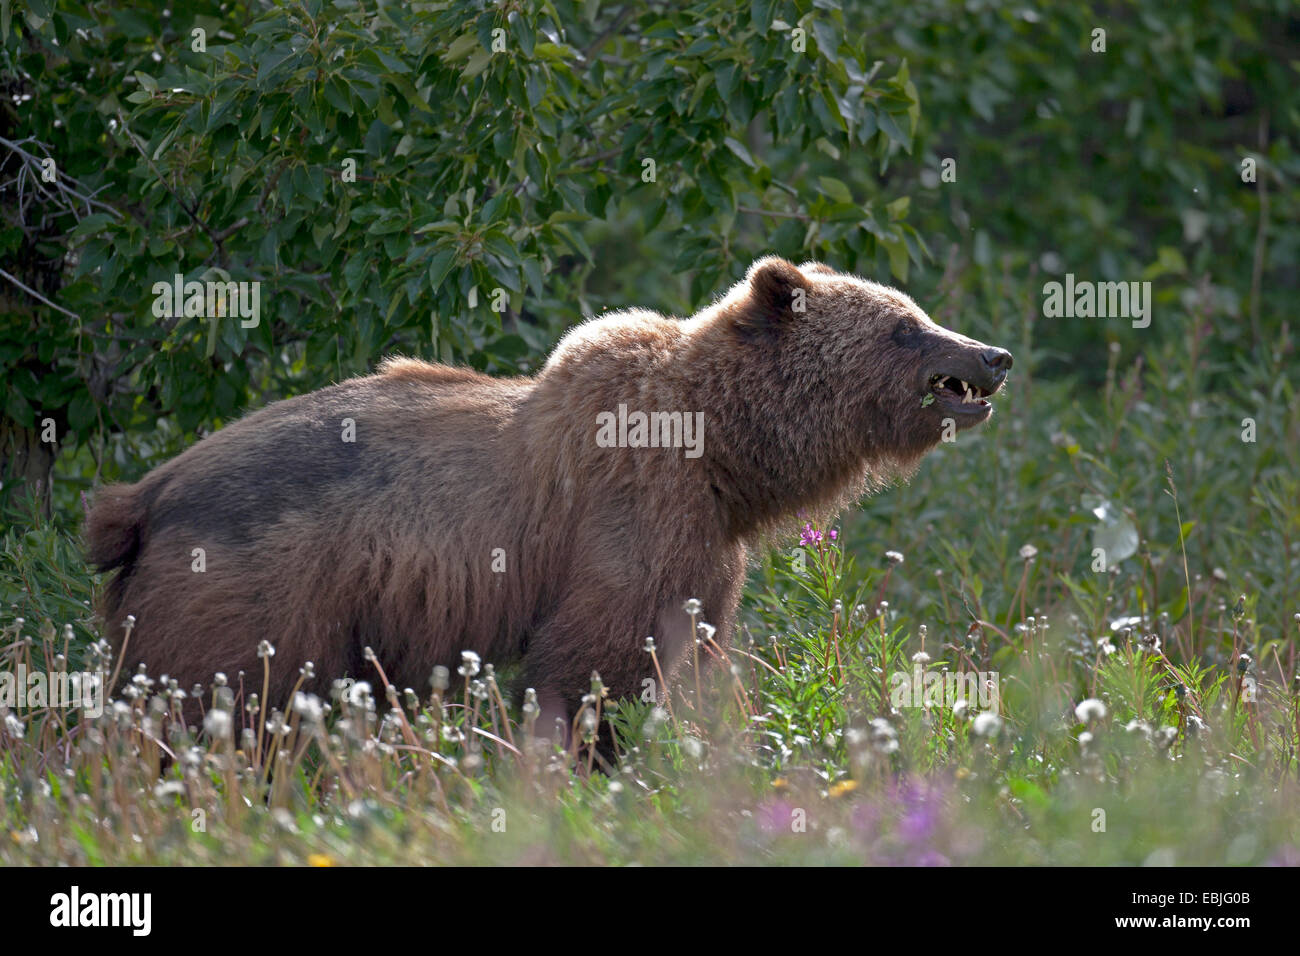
<point x="113" y="528"/>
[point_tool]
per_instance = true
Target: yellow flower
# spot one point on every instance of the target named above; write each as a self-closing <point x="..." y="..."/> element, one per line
<point x="780" y="783"/>
<point x="843" y="787"/>
<point x="320" y="859"/>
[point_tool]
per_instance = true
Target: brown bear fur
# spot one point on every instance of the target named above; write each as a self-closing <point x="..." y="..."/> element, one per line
<point x="813" y="387"/>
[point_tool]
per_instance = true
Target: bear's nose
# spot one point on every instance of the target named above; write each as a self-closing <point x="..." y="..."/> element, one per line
<point x="998" y="361"/>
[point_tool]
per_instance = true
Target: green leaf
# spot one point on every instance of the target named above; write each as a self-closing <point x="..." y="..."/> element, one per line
<point x="835" y="189"/>
<point x="441" y="264"/>
<point x="739" y="149"/>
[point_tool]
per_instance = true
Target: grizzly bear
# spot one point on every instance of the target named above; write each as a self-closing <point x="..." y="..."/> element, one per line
<point x="561" y="518"/>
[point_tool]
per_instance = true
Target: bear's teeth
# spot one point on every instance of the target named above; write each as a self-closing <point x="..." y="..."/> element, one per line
<point x="968" y="398"/>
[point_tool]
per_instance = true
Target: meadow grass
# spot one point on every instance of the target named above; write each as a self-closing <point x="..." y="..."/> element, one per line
<point x="1115" y="562"/>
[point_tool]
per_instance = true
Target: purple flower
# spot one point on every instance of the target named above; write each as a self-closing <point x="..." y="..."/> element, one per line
<point x="932" y="858"/>
<point x="810" y="536"/>
<point x="1287" y="856"/>
<point x="774" y="816"/>
<point x="864" y="819"/>
<point x="918" y="825"/>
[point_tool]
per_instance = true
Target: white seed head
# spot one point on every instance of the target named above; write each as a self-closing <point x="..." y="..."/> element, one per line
<point x="987" y="724"/>
<point x="1090" y="710"/>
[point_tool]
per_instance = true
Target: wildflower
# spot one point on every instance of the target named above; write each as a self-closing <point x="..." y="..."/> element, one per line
<point x="441" y="678"/>
<point x="841" y="788"/>
<point x="320" y="859"/>
<point x="987" y="724"/>
<point x="309" y="706"/>
<point x="693" y="606"/>
<point x="894" y="557"/>
<point x="1028" y="552"/>
<point x="1244" y="662"/>
<point x="276" y="725"/>
<point x="705" y="632"/>
<point x="265" y="650"/>
<point x="217" y="723"/>
<point x="1090" y="711"/>
<point x="649" y="645"/>
<point x="921" y="657"/>
<point x="810" y="536"/>
<point x="13" y="727"/>
<point x="883" y="736"/>
<point x="469" y="666"/>
<point x="656" y="719"/>
<point x="358" y="694"/>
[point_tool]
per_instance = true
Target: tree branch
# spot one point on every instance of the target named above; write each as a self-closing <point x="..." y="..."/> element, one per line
<point x="32" y="292"/>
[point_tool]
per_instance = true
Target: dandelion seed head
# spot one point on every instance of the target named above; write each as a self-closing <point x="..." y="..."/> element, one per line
<point x="1090" y="711"/>
<point x="987" y="724"/>
<point x="469" y="666"/>
<point x="217" y="724"/>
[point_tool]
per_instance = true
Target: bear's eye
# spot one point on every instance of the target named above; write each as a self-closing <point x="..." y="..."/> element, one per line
<point x="906" y="332"/>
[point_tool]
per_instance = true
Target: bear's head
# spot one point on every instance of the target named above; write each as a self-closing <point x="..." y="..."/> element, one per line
<point x="848" y="381"/>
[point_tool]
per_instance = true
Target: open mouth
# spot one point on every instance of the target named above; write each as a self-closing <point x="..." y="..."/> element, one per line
<point x="961" y="395"/>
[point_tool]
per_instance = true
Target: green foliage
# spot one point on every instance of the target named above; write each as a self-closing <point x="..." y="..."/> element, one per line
<point x="431" y="180"/>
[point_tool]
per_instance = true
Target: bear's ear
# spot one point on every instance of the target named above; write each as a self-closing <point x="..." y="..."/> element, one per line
<point x="777" y="290"/>
<point x="820" y="268"/>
